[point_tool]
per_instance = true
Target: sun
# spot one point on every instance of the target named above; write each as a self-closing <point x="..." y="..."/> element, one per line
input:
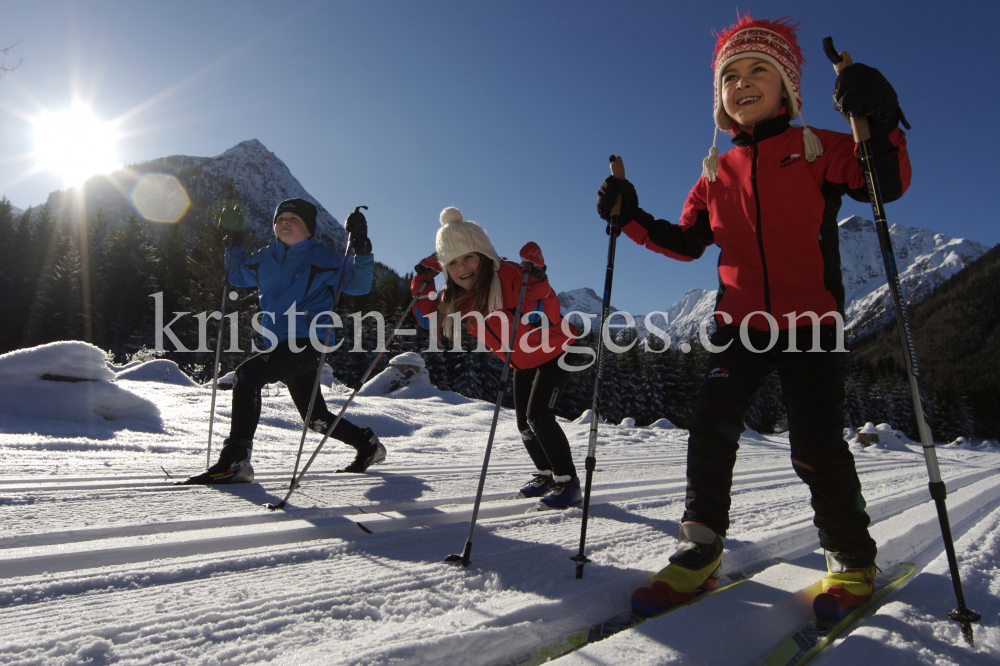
<point x="74" y="144"/>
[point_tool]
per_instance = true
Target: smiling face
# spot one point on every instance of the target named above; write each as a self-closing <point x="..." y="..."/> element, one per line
<point x="290" y="229"/>
<point x="462" y="269"/>
<point x="752" y="91"/>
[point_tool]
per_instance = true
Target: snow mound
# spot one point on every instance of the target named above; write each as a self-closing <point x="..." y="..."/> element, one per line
<point x="226" y="381"/>
<point x="665" y="424"/>
<point x="66" y="360"/>
<point x="880" y="436"/>
<point x="159" y="370"/>
<point x="628" y="422"/>
<point x="118" y="368"/>
<point x="67" y="381"/>
<point x="406" y="377"/>
<point x="961" y="443"/>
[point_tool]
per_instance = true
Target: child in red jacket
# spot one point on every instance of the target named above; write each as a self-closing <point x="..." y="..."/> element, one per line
<point x="771" y="205"/>
<point x="479" y="282"/>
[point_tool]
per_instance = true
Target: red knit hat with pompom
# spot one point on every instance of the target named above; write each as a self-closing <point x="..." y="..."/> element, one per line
<point x="775" y="42"/>
<point x="771" y="41"/>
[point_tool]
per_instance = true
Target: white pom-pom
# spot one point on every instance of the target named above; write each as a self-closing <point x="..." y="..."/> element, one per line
<point x="451" y="214"/>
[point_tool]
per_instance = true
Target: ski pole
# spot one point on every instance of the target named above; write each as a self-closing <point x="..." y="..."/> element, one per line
<point x="322" y="357"/>
<point x="218" y="353"/>
<point x="859" y="127"/>
<point x="618" y="171"/>
<point x="399" y="322"/>
<point x="463" y="559"/>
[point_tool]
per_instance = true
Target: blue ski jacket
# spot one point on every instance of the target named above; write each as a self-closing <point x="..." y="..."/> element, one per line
<point x="305" y="275"/>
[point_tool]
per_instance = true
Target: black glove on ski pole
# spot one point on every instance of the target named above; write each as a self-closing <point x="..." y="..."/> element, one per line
<point x="862" y="136"/>
<point x="463" y="559"/>
<point x="231" y="222"/>
<point x="618" y="171"/>
<point x="333" y="426"/>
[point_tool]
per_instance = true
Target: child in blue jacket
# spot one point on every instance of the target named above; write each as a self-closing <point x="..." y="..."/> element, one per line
<point x="296" y="279"/>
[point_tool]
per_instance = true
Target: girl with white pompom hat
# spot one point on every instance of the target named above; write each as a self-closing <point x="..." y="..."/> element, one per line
<point x="478" y="280"/>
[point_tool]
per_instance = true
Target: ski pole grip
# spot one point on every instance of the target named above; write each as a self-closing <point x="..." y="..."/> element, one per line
<point x="842" y="60"/>
<point x="618" y="171"/>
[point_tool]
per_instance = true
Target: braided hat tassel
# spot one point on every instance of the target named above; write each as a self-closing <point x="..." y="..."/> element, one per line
<point x="710" y="165"/>
<point x="813" y="147"/>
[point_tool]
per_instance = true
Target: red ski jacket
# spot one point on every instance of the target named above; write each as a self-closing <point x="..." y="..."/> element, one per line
<point x="774" y="216"/>
<point x="528" y="349"/>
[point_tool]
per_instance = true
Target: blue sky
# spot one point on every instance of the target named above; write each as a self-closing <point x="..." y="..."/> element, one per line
<point x="507" y="110"/>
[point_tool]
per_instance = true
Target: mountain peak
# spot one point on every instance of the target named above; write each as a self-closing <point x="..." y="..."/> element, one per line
<point x="855" y="223"/>
<point x="262" y="180"/>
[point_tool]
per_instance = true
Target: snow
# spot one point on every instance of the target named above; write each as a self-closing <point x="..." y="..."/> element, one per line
<point x="103" y="560"/>
<point x="73" y="359"/>
<point x="406" y="377"/>
<point x="159" y="370"/>
<point x="68" y="382"/>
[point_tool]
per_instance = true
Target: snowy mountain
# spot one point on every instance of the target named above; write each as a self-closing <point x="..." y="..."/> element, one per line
<point x="925" y="260"/>
<point x="260" y="177"/>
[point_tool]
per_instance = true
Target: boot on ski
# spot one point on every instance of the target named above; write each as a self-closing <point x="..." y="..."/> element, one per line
<point x="537" y="487"/>
<point x="233" y="466"/>
<point x="561" y="495"/>
<point x="695" y="566"/>
<point x="849" y="583"/>
<point x="370" y="452"/>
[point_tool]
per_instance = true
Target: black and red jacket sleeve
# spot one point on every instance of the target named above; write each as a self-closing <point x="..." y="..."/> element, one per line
<point x="684" y="241"/>
<point x="845" y="174"/>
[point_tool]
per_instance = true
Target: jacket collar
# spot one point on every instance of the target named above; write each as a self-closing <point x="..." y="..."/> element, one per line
<point x="762" y="130"/>
<point x="299" y="248"/>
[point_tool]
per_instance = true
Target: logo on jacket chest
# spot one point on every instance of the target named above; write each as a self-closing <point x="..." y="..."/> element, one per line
<point x="790" y="160"/>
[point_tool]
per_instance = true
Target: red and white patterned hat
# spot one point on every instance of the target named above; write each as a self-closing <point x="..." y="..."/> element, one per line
<point x="771" y="41"/>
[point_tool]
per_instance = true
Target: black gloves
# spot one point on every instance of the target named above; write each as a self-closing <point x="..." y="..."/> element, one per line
<point x="861" y="91"/>
<point x="357" y="227"/>
<point x="232" y="224"/>
<point x="608" y="195"/>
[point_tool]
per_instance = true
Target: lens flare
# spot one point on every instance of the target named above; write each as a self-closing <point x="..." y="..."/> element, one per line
<point x="160" y="198"/>
<point x="74" y="144"/>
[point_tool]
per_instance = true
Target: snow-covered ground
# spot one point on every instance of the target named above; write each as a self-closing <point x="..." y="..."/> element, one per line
<point x="102" y="560"/>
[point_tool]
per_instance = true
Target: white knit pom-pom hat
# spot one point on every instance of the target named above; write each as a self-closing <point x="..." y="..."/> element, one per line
<point x="458" y="237"/>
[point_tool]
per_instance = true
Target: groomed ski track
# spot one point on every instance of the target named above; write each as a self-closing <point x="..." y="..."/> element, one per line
<point x="102" y="561"/>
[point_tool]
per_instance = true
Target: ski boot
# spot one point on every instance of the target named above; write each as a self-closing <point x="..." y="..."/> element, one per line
<point x="538" y="486"/>
<point x="233" y="466"/>
<point x="562" y="495"/>
<point x="370" y="452"/>
<point x="849" y="583"/>
<point x="695" y="566"/>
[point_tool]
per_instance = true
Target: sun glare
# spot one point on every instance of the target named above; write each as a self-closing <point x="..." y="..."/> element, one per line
<point x="74" y="144"/>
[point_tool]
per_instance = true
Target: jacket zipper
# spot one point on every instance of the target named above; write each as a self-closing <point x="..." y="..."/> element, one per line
<point x="760" y="236"/>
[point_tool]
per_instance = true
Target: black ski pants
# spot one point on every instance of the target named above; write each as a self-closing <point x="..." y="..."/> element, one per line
<point x="536" y="392"/>
<point x="298" y="372"/>
<point x="812" y="385"/>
